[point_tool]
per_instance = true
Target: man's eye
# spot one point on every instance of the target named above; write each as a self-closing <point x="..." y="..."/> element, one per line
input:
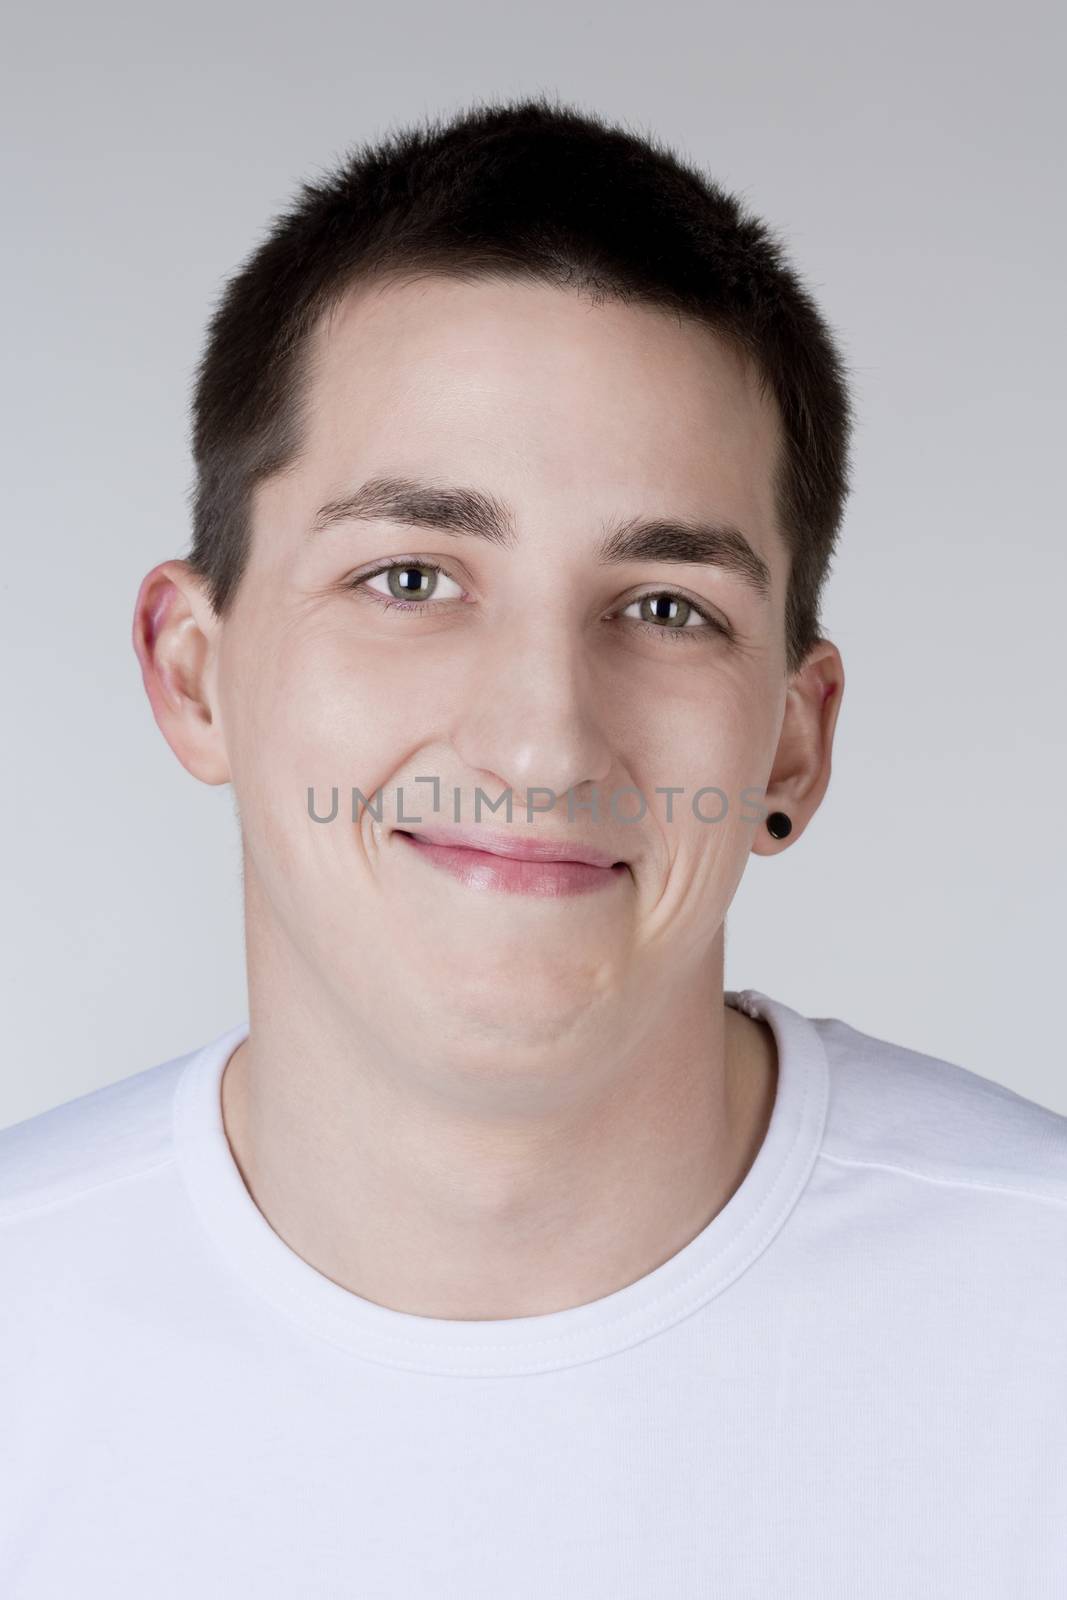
<point x="406" y="584"/>
<point x="674" y="616"/>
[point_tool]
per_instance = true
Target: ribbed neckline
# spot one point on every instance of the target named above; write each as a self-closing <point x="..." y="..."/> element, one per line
<point x="702" y="1269"/>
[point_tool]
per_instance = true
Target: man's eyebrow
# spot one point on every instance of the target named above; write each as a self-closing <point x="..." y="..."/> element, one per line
<point x="422" y="505"/>
<point x="474" y="514"/>
<point x="705" y="544"/>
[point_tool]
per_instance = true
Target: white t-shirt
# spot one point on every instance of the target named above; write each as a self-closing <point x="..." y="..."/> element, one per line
<point x="852" y="1384"/>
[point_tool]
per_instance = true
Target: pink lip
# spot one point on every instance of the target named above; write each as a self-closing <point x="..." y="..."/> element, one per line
<point x="514" y="865"/>
<point x="487" y="841"/>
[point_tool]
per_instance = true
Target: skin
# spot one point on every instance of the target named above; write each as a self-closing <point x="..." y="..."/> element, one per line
<point x="454" y="1102"/>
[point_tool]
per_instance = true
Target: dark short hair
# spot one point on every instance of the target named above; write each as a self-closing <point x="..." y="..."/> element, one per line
<point x="517" y="190"/>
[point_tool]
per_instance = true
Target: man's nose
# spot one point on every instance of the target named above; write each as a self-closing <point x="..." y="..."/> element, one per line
<point x="534" y="714"/>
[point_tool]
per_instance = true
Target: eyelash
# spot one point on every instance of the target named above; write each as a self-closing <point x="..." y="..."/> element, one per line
<point x="676" y="634"/>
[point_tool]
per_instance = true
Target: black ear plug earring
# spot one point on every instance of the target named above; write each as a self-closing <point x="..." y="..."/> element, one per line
<point x="779" y="825"/>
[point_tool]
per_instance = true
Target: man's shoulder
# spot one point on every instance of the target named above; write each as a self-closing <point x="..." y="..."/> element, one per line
<point x="116" y="1132"/>
<point x="901" y="1109"/>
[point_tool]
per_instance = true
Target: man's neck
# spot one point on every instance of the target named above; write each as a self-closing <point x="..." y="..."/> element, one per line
<point x="438" y="1217"/>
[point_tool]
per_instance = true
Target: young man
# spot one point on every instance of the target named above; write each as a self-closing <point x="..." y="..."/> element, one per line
<point x="501" y="1252"/>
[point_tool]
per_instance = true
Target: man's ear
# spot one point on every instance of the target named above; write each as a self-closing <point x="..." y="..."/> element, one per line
<point x="801" y="770"/>
<point x="175" y="633"/>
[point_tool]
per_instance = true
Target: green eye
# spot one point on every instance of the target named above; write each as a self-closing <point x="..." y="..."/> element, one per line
<point x="409" y="584"/>
<point x="664" y="612"/>
<point x="411" y="581"/>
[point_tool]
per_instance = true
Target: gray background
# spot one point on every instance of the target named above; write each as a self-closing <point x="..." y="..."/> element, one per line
<point x="912" y="157"/>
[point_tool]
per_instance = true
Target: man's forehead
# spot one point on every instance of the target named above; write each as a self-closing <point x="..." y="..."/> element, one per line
<point x="432" y="306"/>
<point x="356" y="406"/>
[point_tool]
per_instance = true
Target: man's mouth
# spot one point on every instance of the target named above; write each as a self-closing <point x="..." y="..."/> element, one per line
<point x="516" y="847"/>
<point x="483" y="859"/>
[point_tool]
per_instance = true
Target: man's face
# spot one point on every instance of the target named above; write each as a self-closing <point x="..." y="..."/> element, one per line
<point x="527" y="664"/>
